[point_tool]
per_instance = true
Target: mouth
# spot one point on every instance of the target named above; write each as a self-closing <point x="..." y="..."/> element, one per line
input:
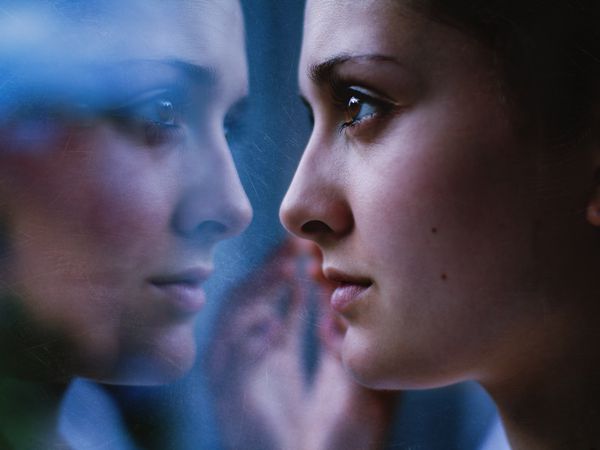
<point x="349" y="291"/>
<point x="182" y="290"/>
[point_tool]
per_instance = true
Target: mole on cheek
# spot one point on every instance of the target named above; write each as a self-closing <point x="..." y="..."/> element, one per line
<point x="434" y="230"/>
<point x="444" y="277"/>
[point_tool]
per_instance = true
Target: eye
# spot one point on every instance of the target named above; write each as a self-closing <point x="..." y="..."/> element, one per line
<point x="232" y="128"/>
<point x="156" y="118"/>
<point x="235" y="124"/>
<point x="310" y="114"/>
<point x="357" y="110"/>
<point x="361" y="105"/>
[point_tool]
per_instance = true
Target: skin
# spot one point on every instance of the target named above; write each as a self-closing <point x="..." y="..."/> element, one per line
<point x="97" y="207"/>
<point x="473" y="239"/>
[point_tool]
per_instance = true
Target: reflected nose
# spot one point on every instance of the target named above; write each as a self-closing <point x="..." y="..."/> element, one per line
<point x="213" y="204"/>
<point x="315" y="206"/>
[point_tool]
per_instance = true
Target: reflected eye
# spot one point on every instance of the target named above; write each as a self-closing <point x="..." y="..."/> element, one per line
<point x="235" y="123"/>
<point x="165" y="112"/>
<point x="156" y="118"/>
<point x="158" y="109"/>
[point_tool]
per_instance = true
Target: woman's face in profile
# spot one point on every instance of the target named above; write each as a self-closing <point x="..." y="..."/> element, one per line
<point x="422" y="195"/>
<point x="113" y="202"/>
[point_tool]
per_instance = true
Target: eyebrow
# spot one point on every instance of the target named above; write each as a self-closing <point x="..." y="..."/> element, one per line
<point x="323" y="72"/>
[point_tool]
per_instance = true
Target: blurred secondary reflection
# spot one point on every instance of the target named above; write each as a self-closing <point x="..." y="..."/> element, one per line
<point x="264" y="394"/>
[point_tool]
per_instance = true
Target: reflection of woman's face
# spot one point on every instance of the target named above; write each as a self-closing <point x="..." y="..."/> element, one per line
<point x="112" y="220"/>
<point x="423" y="197"/>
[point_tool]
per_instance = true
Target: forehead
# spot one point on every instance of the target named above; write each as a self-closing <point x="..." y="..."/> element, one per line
<point x="387" y="30"/>
<point x="72" y="33"/>
<point x="335" y="28"/>
<point x="354" y="25"/>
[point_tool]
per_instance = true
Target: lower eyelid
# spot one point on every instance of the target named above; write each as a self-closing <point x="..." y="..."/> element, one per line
<point x="369" y="122"/>
<point x="156" y="134"/>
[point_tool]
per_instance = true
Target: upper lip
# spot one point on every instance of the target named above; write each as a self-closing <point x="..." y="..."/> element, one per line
<point x="191" y="277"/>
<point x="338" y="276"/>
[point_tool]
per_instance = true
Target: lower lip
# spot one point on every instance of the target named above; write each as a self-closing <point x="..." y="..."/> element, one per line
<point x="344" y="296"/>
<point x="185" y="298"/>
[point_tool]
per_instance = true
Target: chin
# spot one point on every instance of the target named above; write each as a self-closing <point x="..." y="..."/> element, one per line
<point x="377" y="366"/>
<point x="365" y="360"/>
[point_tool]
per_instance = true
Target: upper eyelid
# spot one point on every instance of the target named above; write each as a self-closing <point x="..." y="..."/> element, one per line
<point x="371" y="95"/>
<point x="135" y="110"/>
<point x="340" y="86"/>
<point x="168" y="93"/>
<point x="367" y="96"/>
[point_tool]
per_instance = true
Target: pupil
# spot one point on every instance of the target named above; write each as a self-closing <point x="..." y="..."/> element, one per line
<point x="166" y="112"/>
<point x="353" y="109"/>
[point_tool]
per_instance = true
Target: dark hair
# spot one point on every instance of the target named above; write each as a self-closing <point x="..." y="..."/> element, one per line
<point x="547" y="51"/>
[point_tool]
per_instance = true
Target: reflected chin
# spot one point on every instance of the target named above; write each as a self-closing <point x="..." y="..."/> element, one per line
<point x="151" y="371"/>
<point x="159" y="360"/>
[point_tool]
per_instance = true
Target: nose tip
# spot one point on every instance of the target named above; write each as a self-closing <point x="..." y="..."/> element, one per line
<point x="212" y="217"/>
<point x="240" y="216"/>
<point x="212" y="204"/>
<point x="290" y="215"/>
<point x="317" y="203"/>
<point x="316" y="215"/>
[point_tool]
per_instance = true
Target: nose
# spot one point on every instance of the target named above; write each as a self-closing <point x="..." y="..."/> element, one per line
<point x="213" y="204"/>
<point x="315" y="206"/>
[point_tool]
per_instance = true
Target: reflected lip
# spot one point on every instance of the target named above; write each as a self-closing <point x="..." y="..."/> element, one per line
<point x="349" y="290"/>
<point x="183" y="290"/>
<point x="191" y="277"/>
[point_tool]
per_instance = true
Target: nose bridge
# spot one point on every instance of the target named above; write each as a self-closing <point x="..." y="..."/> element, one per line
<point x="213" y="204"/>
<point x="315" y="205"/>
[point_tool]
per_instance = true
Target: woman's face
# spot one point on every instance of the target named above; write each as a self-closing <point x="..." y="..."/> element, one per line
<point x="425" y="199"/>
<point x="112" y="203"/>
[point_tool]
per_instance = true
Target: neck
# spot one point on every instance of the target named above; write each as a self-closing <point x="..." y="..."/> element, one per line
<point x="29" y="414"/>
<point x="553" y="401"/>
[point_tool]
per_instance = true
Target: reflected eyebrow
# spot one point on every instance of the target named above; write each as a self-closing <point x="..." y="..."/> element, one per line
<point x="323" y="72"/>
<point x="148" y="69"/>
<point x="204" y="75"/>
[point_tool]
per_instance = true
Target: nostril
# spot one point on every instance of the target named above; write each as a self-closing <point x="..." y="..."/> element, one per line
<point x="197" y="218"/>
<point x="314" y="227"/>
<point x="211" y="228"/>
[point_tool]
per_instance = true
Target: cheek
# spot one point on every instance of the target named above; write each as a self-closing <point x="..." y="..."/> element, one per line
<point x="86" y="226"/>
<point x="452" y="189"/>
<point x="125" y="196"/>
<point x="81" y="218"/>
<point x="447" y="224"/>
<point x="126" y="206"/>
<point x="103" y="193"/>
